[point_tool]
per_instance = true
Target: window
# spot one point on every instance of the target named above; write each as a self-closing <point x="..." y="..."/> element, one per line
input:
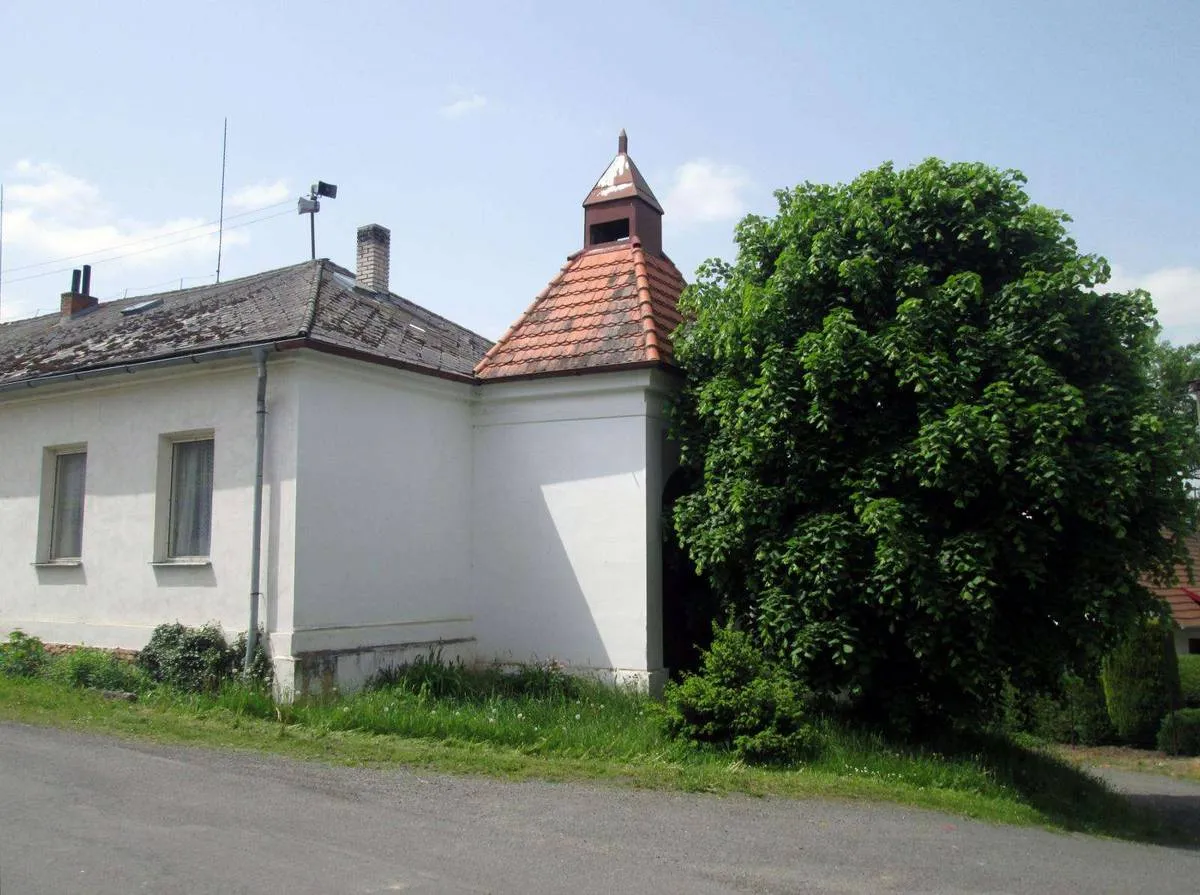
<point x="66" y="505"/>
<point x="189" y="519"/>
<point x="1194" y="645"/>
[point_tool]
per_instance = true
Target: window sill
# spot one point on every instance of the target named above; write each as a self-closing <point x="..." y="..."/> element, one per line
<point x="192" y="562"/>
<point x="59" y="564"/>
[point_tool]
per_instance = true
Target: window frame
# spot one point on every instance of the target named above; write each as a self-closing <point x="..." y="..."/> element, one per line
<point x="49" y="520"/>
<point x="166" y="504"/>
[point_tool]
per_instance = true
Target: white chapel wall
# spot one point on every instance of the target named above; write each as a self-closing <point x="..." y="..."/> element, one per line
<point x="383" y="529"/>
<point x="565" y="538"/>
<point x="115" y="596"/>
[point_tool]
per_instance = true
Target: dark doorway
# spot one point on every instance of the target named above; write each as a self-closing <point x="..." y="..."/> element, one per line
<point x="688" y="604"/>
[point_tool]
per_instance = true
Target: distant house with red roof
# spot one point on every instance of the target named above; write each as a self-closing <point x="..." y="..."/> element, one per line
<point x="1183" y="598"/>
<point x="369" y="480"/>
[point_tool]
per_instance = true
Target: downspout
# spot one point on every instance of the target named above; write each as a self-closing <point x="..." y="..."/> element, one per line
<point x="260" y="355"/>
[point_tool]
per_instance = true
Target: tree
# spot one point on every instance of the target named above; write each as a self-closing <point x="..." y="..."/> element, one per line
<point x="929" y="453"/>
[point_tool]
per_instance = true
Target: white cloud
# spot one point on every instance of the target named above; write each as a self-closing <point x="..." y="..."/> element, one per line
<point x="54" y="219"/>
<point x="464" y="106"/>
<point x="1176" y="294"/>
<point x="704" y="192"/>
<point x="258" y="195"/>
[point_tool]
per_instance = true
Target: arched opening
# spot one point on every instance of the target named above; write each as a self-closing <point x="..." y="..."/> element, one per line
<point x="688" y="604"/>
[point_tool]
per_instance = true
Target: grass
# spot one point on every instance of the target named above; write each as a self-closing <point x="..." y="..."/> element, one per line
<point x="544" y="725"/>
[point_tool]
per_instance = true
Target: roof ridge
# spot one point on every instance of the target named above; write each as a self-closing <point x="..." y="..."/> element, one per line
<point x="310" y="311"/>
<point x="649" y="326"/>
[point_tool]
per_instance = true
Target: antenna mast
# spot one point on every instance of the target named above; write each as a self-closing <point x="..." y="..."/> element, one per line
<point x="221" y="217"/>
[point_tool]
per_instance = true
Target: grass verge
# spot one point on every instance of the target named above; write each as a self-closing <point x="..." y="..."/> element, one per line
<point x="595" y="734"/>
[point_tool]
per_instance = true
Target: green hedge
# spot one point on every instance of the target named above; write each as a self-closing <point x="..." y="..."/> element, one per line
<point x="1141" y="682"/>
<point x="1189" y="680"/>
<point x="1180" y="733"/>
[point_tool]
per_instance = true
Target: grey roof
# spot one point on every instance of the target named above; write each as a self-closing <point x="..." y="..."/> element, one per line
<point x="316" y="301"/>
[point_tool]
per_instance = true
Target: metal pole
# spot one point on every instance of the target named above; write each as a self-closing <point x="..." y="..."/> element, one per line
<point x="260" y="356"/>
<point x="312" y="233"/>
<point x="221" y="216"/>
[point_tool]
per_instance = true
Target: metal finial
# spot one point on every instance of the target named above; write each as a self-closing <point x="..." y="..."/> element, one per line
<point x="622" y="142"/>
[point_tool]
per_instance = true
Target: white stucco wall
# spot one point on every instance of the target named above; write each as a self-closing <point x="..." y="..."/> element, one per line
<point x="566" y="544"/>
<point x="383" y="517"/>
<point x="1183" y="639"/>
<point x="115" y="596"/>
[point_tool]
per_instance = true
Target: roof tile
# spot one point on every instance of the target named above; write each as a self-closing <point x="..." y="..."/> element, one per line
<point x="316" y="300"/>
<point x="609" y="306"/>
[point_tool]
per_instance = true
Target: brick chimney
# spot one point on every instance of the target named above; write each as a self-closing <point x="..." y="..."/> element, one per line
<point x="79" y="298"/>
<point x="374" y="249"/>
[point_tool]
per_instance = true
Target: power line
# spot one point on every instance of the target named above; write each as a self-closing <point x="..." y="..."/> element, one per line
<point x="156" y="248"/>
<point x="145" y="239"/>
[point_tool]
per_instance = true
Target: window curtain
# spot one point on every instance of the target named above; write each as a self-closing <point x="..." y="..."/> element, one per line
<point x="191" y="498"/>
<point x="66" y="539"/>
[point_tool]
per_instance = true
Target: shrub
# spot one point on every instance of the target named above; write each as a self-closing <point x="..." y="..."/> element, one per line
<point x="1189" y="680"/>
<point x="1180" y="733"/>
<point x="743" y="701"/>
<point x="261" y="669"/>
<point x="1141" y="682"/>
<point x="190" y="659"/>
<point x="96" y="668"/>
<point x="1086" y="710"/>
<point x="22" y="655"/>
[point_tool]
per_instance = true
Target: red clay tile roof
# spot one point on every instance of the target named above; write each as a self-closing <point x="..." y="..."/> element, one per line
<point x="1184" y="597"/>
<point x="610" y="306"/>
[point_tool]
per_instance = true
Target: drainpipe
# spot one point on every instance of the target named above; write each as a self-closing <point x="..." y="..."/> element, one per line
<point x="260" y="355"/>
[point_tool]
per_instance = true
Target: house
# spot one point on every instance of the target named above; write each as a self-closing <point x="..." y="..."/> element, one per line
<point x="1183" y="600"/>
<point x="369" y="480"/>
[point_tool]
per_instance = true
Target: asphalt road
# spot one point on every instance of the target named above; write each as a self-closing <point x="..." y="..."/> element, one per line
<point x="89" y="814"/>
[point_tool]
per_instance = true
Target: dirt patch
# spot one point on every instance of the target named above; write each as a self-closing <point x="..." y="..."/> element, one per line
<point x="1126" y="758"/>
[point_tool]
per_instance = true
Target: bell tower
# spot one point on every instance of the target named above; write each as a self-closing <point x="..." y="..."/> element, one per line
<point x="621" y="206"/>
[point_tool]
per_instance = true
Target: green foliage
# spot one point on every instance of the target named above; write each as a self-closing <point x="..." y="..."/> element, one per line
<point x="1087" y="711"/>
<point x="1180" y="733"/>
<point x="1189" y="680"/>
<point x="927" y="450"/>
<point x="261" y="669"/>
<point x="23" y="655"/>
<point x="188" y="659"/>
<point x="741" y="700"/>
<point x="1074" y="713"/>
<point x="1141" y="682"/>
<point x="98" y="669"/>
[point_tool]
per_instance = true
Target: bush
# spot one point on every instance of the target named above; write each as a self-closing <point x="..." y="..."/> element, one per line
<point x="1189" y="680"/>
<point x="1075" y="714"/>
<point x="1086" y="711"/>
<point x="742" y="701"/>
<point x="22" y="655"/>
<point x="96" y="668"/>
<point x="1141" y="682"/>
<point x="190" y="659"/>
<point x="261" y="669"/>
<point x="1180" y="733"/>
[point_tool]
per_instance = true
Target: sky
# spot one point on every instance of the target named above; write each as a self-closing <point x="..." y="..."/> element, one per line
<point x="473" y="130"/>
